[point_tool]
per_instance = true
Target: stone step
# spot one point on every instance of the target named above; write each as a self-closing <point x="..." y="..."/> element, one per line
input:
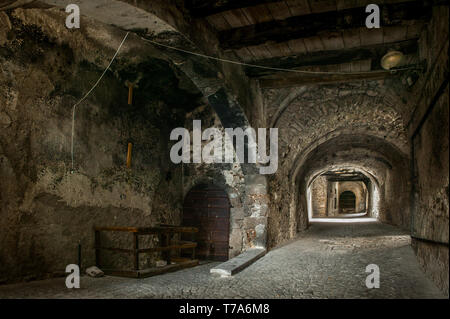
<point x="238" y="263"/>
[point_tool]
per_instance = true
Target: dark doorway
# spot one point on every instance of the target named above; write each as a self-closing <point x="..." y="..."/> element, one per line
<point x="347" y="202"/>
<point x="207" y="207"/>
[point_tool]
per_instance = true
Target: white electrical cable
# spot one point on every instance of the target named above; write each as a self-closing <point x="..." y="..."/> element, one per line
<point x="207" y="57"/>
<point x="267" y="67"/>
<point x="89" y="92"/>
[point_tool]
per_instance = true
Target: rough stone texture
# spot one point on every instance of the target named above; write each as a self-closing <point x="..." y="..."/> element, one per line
<point x="5" y="28"/>
<point x="324" y="108"/>
<point x="246" y="91"/>
<point x="325" y="193"/>
<point x="319" y="197"/>
<point x="235" y="99"/>
<point x="236" y="264"/>
<point x="247" y="193"/>
<point x="434" y="259"/>
<point x="327" y="261"/>
<point x="429" y="132"/>
<point x="99" y="182"/>
<point x="333" y="198"/>
<point x="227" y="176"/>
<point x="359" y="189"/>
<point x="371" y="126"/>
<point x="431" y="217"/>
<point x="46" y="208"/>
<point x="355" y="125"/>
<point x="375" y="158"/>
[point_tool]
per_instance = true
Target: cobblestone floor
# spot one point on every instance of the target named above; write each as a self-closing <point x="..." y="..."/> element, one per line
<point x="327" y="261"/>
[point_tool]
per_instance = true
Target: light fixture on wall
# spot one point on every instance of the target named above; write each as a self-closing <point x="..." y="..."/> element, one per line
<point x="391" y="59"/>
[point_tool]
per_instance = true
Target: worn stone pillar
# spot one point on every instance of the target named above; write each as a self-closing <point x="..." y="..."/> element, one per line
<point x="256" y="208"/>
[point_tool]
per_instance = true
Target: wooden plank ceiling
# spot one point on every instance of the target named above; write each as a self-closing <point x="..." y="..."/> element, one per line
<point x="313" y="34"/>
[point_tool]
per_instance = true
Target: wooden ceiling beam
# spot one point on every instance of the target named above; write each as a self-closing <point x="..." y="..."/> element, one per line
<point x="348" y="179"/>
<point x="332" y="57"/>
<point x="205" y="8"/>
<point x="320" y="23"/>
<point x="288" y="79"/>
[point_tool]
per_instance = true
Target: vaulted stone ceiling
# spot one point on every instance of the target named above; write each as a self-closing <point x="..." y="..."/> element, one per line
<point x="353" y="107"/>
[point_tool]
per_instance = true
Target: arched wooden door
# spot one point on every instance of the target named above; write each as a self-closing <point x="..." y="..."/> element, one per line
<point x="208" y="208"/>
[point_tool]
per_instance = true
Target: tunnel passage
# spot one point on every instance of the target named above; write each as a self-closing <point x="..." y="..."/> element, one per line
<point x="207" y="207"/>
<point x="342" y="193"/>
<point x="359" y="191"/>
<point x="305" y="109"/>
<point x="347" y="201"/>
<point x="363" y="158"/>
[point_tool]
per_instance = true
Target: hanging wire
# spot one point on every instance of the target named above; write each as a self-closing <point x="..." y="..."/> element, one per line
<point x="89" y="92"/>
<point x="206" y="57"/>
<point x="269" y="67"/>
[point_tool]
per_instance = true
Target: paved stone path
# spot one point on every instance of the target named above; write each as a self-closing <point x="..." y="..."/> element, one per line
<point x="327" y="261"/>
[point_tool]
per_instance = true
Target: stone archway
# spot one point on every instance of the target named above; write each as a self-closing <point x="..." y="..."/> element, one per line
<point x="151" y="23"/>
<point x="347" y="202"/>
<point x="360" y="193"/>
<point x="368" y="191"/>
<point x="381" y="162"/>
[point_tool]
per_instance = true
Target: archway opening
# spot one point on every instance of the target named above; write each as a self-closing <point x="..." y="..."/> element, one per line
<point x="374" y="162"/>
<point x="342" y="193"/>
<point x="207" y="207"/>
<point x="347" y="202"/>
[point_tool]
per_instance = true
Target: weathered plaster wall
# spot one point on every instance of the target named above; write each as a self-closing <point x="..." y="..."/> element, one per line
<point x="245" y="90"/>
<point x="333" y="198"/>
<point x="319" y="197"/>
<point x="236" y="100"/>
<point x="429" y="134"/>
<point x="46" y="207"/>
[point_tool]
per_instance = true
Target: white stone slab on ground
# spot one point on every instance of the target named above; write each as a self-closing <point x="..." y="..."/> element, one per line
<point x="238" y="263"/>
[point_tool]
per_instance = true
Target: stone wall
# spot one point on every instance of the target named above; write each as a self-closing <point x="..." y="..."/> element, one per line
<point x="99" y="190"/>
<point x="360" y="191"/>
<point x="229" y="177"/>
<point x="47" y="208"/>
<point x="319" y="197"/>
<point x="364" y="121"/>
<point x="246" y="193"/>
<point x="429" y="134"/>
<point x="333" y="198"/>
